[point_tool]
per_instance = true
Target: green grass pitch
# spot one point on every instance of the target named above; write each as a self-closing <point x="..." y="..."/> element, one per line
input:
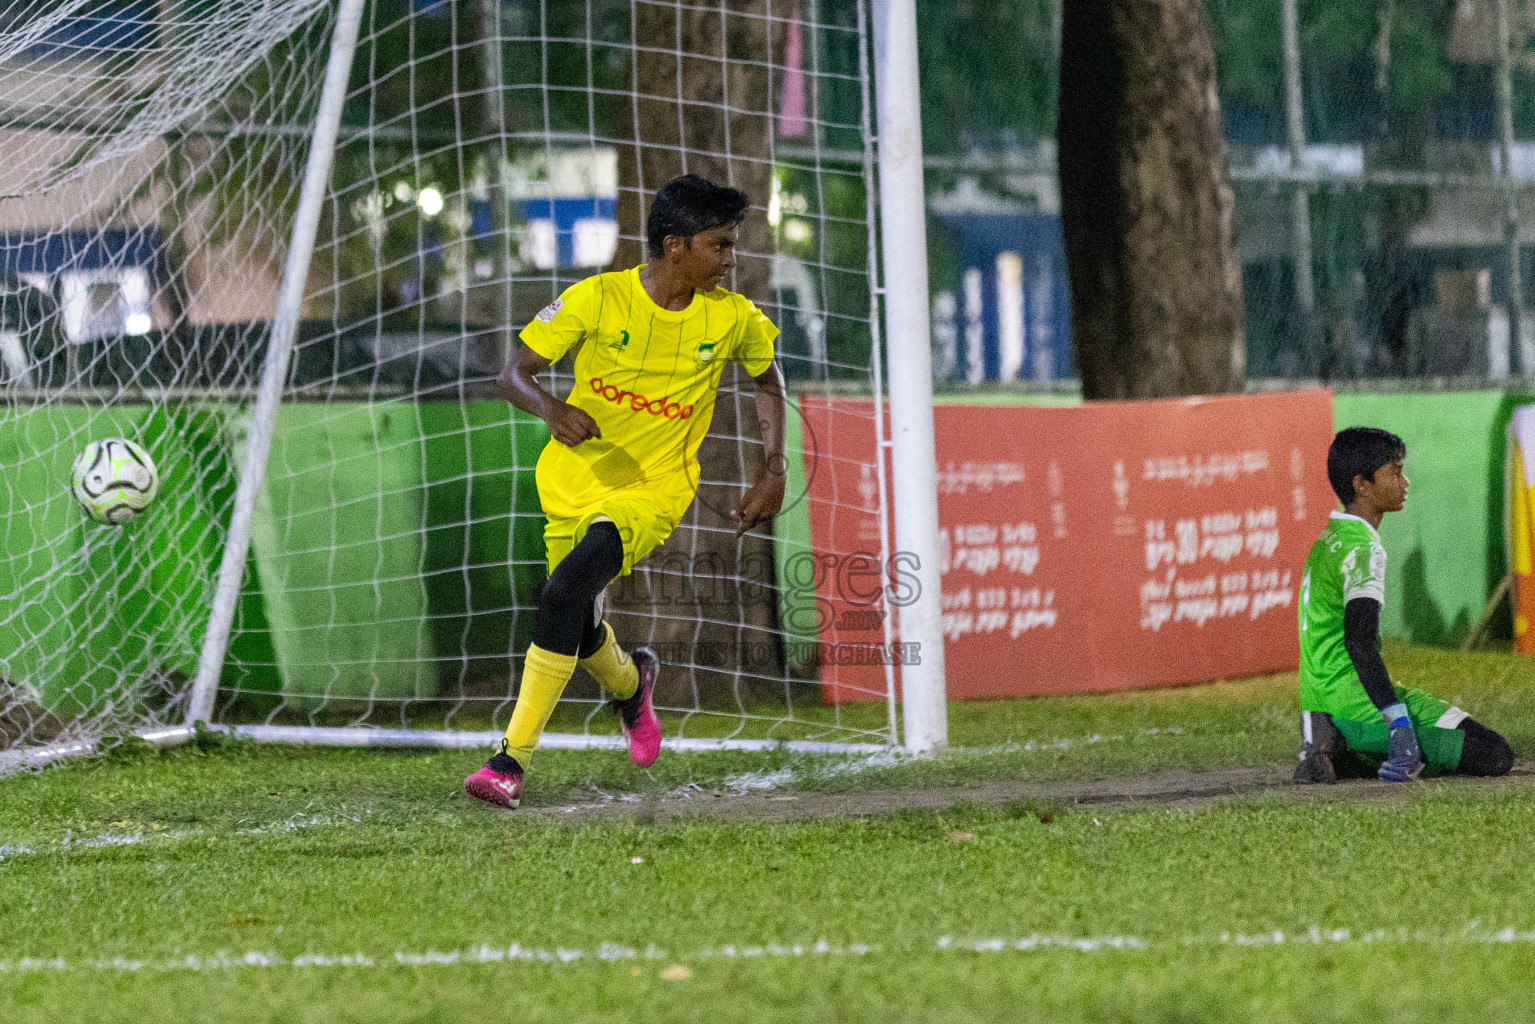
<point x="241" y="884"/>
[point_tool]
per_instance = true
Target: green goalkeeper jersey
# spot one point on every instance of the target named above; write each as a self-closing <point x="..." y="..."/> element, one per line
<point x="1347" y="562"/>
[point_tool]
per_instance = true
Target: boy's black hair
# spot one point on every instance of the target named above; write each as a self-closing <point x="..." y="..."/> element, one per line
<point x="1360" y="451"/>
<point x="690" y="204"/>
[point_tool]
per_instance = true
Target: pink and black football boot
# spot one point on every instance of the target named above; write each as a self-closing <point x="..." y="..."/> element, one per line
<point x="637" y="714"/>
<point x="499" y="783"/>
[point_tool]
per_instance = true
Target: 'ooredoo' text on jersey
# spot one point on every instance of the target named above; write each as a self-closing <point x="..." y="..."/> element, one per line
<point x="648" y="377"/>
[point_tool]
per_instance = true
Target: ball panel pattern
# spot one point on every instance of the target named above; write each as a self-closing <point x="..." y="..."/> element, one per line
<point x="114" y="479"/>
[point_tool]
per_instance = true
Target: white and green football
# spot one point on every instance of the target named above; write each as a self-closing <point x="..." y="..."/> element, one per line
<point x="114" y="480"/>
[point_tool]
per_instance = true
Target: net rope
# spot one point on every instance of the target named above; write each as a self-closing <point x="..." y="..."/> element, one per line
<point x="491" y="155"/>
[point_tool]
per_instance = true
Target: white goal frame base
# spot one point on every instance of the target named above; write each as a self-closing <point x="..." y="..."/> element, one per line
<point x="329" y="736"/>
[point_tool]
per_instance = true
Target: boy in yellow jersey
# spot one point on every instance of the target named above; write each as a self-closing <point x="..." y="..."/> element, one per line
<point x="620" y="468"/>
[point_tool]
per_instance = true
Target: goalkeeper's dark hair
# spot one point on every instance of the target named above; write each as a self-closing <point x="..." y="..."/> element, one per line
<point x="690" y="204"/>
<point x="1360" y="451"/>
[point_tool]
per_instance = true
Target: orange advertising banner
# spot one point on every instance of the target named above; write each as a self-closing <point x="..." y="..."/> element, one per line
<point x="1093" y="547"/>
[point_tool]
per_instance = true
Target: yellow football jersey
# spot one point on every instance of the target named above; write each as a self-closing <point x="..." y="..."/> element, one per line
<point x="648" y="376"/>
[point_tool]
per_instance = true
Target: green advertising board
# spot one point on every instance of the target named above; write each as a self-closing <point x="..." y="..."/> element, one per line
<point x="391" y="547"/>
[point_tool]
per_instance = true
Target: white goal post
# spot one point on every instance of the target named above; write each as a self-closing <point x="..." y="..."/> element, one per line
<point x="903" y="247"/>
<point x="291" y="276"/>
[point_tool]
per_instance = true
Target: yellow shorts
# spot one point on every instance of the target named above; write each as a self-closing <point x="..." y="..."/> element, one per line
<point x="642" y="525"/>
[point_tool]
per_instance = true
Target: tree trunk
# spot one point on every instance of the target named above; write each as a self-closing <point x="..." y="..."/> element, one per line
<point x="705" y="600"/>
<point x="1146" y="203"/>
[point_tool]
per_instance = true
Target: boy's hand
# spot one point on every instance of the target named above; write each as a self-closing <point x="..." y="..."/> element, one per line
<point x="570" y="426"/>
<point x="1403" y="762"/>
<point x="518" y="383"/>
<point x="761" y="503"/>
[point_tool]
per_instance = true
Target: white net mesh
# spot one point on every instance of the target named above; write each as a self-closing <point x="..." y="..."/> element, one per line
<point x="141" y="238"/>
<point x="492" y="153"/>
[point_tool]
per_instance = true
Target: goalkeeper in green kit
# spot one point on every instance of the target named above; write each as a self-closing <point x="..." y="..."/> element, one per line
<point x="1351" y="714"/>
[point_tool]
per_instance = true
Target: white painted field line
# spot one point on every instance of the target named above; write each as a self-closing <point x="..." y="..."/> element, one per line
<point x="1064" y="743"/>
<point x="106" y="839"/>
<point x="1090" y="944"/>
<point x="293" y="823"/>
<point x="775" y="778"/>
<point x="1312" y="936"/>
<point x="223" y="960"/>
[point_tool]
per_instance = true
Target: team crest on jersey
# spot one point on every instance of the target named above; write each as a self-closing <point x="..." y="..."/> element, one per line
<point x="547" y="313"/>
<point x="620" y="343"/>
<point x="705" y="352"/>
<point x="1377" y="562"/>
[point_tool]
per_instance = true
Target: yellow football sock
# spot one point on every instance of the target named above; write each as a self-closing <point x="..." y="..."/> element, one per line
<point x="544" y="675"/>
<point x="612" y="667"/>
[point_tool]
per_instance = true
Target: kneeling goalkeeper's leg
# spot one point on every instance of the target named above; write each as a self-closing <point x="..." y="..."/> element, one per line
<point x="1483" y="752"/>
<point x="1466" y="747"/>
<point x="1321" y="745"/>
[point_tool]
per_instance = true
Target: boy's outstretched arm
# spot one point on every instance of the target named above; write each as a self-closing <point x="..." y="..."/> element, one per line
<point x="1361" y="638"/>
<point x="765" y="498"/>
<point x="518" y="384"/>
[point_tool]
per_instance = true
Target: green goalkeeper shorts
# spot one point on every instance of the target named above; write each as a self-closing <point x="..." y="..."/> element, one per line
<point x="1433" y="720"/>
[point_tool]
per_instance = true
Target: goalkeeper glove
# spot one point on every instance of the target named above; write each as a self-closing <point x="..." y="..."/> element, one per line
<point x="1403" y="762"/>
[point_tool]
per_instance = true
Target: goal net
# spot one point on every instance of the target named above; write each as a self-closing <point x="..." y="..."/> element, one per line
<point x="488" y="154"/>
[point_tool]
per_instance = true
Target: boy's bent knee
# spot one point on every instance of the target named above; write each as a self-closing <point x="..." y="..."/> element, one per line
<point x="568" y="619"/>
<point x="1484" y="752"/>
